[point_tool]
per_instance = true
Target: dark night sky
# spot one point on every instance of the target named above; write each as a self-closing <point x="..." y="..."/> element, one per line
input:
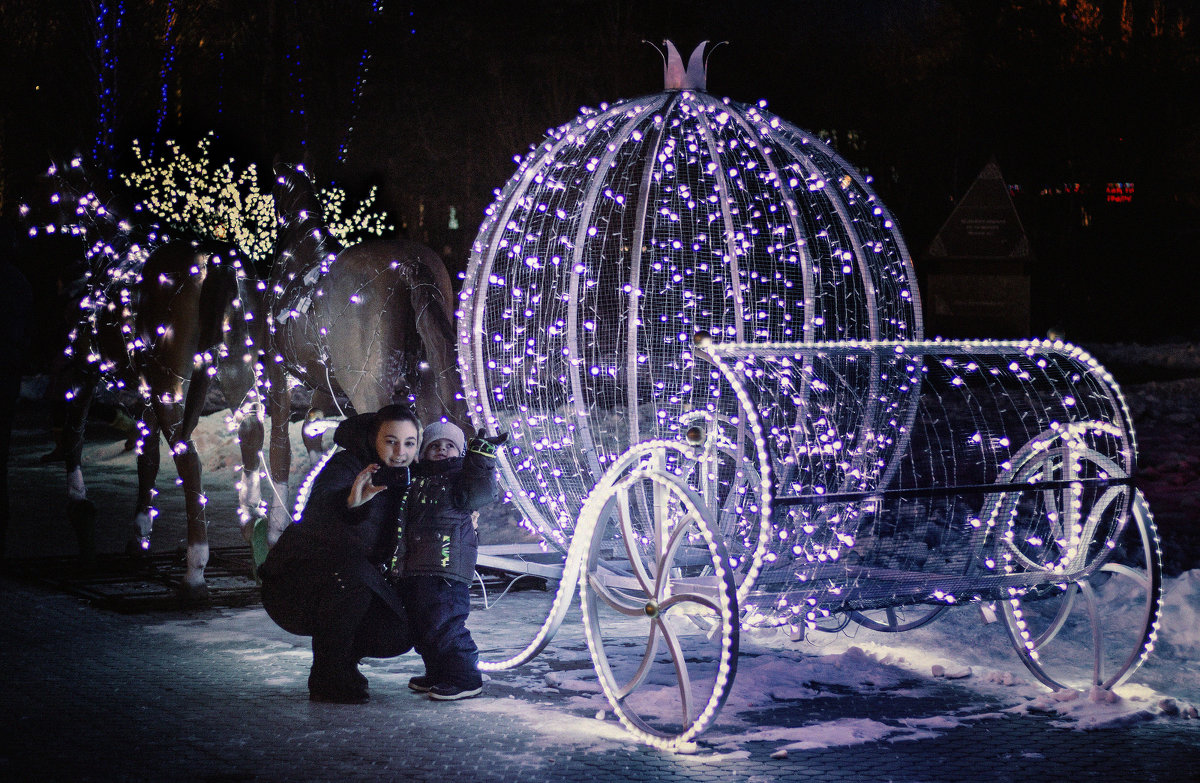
<point x="1058" y="91"/>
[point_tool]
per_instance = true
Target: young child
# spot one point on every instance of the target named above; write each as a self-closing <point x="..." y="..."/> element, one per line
<point x="435" y="559"/>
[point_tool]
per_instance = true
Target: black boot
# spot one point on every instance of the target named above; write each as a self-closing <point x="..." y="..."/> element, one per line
<point x="342" y="606"/>
<point x="340" y="683"/>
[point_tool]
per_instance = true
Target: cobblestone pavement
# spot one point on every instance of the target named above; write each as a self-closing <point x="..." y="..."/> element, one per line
<point x="218" y="694"/>
<point x="92" y="694"/>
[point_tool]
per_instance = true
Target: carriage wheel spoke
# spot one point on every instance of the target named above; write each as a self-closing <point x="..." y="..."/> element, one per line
<point x="694" y="598"/>
<point x="897" y="620"/>
<point x="1093" y="611"/>
<point x="629" y="537"/>
<point x="1095" y="516"/>
<point x="661" y="583"/>
<point x="643" y="669"/>
<point x="661" y="520"/>
<point x="1060" y="618"/>
<point x="681" y="670"/>
<point x="1140" y="577"/>
<point x="614" y="600"/>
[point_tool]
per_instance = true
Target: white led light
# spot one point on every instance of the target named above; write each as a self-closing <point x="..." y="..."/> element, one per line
<point x="840" y="463"/>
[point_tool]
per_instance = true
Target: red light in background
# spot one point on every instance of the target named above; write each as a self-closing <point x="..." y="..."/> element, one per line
<point x="1118" y="192"/>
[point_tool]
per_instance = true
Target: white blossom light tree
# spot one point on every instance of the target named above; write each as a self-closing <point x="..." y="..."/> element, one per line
<point x="189" y="190"/>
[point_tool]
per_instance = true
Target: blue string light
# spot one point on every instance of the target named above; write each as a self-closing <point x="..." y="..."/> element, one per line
<point x="297" y="76"/>
<point x="169" y="49"/>
<point x="360" y="81"/>
<point x="221" y="84"/>
<point x="108" y="24"/>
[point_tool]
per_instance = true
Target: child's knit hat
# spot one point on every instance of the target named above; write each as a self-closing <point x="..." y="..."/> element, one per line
<point x="444" y="429"/>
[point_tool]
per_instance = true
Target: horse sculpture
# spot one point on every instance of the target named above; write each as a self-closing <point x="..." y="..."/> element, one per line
<point x="371" y="323"/>
<point x="164" y="317"/>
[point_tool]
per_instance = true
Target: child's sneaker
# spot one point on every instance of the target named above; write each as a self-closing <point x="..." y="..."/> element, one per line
<point x="421" y="684"/>
<point x="446" y="692"/>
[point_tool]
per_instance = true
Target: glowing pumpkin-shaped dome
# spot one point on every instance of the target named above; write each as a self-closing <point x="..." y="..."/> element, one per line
<point x="626" y="232"/>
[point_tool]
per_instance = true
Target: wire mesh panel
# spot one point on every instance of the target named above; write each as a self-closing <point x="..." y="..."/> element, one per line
<point x="623" y="234"/>
<point x="929" y="472"/>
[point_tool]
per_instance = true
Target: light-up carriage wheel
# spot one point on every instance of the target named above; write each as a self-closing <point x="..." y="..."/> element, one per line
<point x="659" y="600"/>
<point x="729" y="481"/>
<point x="1088" y="513"/>
<point x="724" y="487"/>
<point x="897" y="619"/>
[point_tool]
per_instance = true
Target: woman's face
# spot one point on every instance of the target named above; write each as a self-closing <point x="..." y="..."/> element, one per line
<point x="396" y="443"/>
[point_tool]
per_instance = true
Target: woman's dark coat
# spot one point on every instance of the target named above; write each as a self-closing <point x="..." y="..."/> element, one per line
<point x="333" y="543"/>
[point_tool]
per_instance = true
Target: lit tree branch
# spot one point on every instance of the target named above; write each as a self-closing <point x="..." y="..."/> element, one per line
<point x="190" y="191"/>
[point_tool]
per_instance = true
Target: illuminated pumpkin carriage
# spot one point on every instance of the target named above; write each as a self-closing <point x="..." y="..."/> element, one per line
<point x="701" y="330"/>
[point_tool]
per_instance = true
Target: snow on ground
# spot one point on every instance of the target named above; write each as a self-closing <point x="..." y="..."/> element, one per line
<point x="899" y="675"/>
<point x="909" y="669"/>
<point x="784" y="691"/>
<point x="1161" y="384"/>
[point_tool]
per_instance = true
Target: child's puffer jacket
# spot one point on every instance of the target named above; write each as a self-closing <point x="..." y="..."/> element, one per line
<point x="438" y="537"/>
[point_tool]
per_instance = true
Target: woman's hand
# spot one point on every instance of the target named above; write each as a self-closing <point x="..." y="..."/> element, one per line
<point x="362" y="489"/>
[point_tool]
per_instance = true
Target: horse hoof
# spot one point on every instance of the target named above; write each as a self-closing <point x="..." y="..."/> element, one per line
<point x="137" y="548"/>
<point x="194" y="596"/>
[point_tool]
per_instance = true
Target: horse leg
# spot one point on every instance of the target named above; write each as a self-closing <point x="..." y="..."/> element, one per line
<point x="250" y="439"/>
<point x="81" y="512"/>
<point x="322" y="402"/>
<point x="252" y="511"/>
<point x="187" y="463"/>
<point x="148" y="456"/>
<point x="279" y="409"/>
<point x="238" y="382"/>
<point x="174" y="421"/>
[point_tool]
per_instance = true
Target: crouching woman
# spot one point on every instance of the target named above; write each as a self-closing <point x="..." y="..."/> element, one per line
<point x="325" y="576"/>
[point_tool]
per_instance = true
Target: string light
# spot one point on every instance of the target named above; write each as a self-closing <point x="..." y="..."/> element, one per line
<point x="107" y="26"/>
<point x="116" y="338"/>
<point x="962" y="468"/>
<point x="685" y="269"/>
<point x="306" y="485"/>
<point x="191" y="193"/>
<point x="221" y="84"/>
<point x="296" y="75"/>
<point x="170" y="46"/>
<point x="318" y="285"/>
<point x="360" y="80"/>
<point x="630" y="229"/>
<point x="622" y="235"/>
